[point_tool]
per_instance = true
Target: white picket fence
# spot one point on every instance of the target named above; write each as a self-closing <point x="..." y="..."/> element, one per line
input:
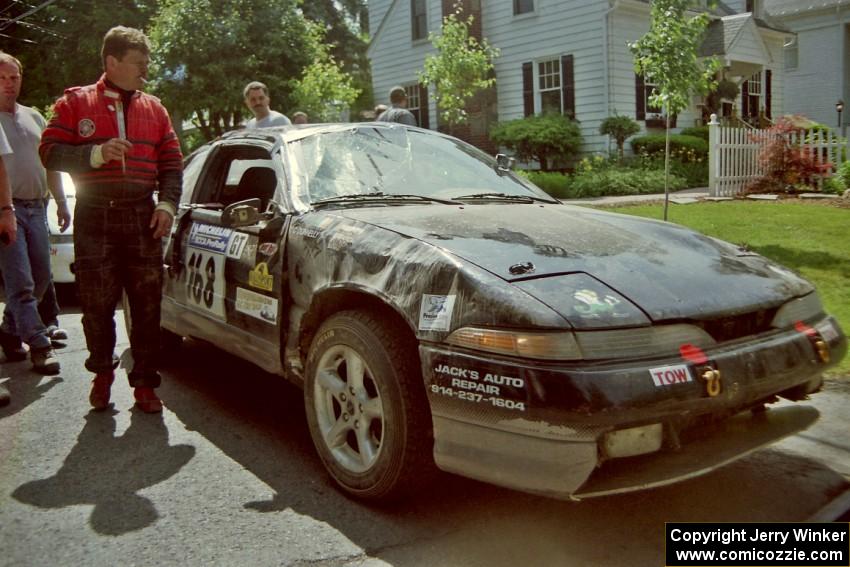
<point x="733" y="155"/>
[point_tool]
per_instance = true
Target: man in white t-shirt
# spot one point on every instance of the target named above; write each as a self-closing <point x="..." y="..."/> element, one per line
<point x="257" y="100"/>
<point x="8" y="224"/>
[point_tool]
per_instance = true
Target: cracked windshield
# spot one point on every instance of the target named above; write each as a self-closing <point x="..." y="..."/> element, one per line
<point x="387" y="162"/>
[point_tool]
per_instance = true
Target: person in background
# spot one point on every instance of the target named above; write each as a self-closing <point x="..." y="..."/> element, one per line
<point x="257" y="100"/>
<point x="26" y="264"/>
<point x="119" y="147"/>
<point x="300" y="118"/>
<point x="398" y="110"/>
<point x="380" y="109"/>
<point x="8" y="223"/>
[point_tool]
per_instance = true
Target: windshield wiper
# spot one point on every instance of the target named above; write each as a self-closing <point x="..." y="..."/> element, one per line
<point x="500" y="196"/>
<point x="381" y="196"/>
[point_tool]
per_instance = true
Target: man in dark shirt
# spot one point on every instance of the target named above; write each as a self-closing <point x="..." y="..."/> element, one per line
<point x="398" y="112"/>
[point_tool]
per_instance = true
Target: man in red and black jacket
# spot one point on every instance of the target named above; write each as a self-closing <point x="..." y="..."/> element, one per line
<point x="119" y="146"/>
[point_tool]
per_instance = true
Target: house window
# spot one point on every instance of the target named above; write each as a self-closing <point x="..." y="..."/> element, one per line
<point x="648" y="90"/>
<point x="792" y="54"/>
<point x="549" y="86"/>
<point x="523" y="7"/>
<point x="751" y="93"/>
<point x="418" y="19"/>
<point x="755" y="85"/>
<point x="413" y="101"/>
<point x="417" y="104"/>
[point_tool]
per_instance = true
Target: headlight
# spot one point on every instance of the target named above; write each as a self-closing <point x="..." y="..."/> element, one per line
<point x="801" y="309"/>
<point x="663" y="340"/>
<point x="553" y="346"/>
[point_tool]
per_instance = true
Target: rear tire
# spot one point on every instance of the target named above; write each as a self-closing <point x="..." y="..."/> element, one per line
<point x="366" y="407"/>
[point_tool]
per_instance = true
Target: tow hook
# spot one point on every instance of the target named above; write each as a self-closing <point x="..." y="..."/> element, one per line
<point x="712" y="380"/>
<point x="705" y="368"/>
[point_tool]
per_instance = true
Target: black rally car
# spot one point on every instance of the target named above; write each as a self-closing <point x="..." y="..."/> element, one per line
<point x="438" y="309"/>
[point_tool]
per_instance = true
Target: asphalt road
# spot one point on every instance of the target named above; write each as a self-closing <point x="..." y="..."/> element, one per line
<point x="227" y="476"/>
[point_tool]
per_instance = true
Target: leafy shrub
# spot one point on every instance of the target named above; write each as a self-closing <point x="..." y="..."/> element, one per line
<point x="833" y="185"/>
<point x="696" y="132"/>
<point x="619" y="127"/>
<point x="787" y="165"/>
<point x="555" y="184"/>
<point x="843" y="174"/>
<point x="620" y="181"/>
<point x="681" y="146"/>
<point x="541" y="137"/>
<point x="694" y="172"/>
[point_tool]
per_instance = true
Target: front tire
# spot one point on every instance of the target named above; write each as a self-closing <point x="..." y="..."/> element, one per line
<point x="366" y="407"/>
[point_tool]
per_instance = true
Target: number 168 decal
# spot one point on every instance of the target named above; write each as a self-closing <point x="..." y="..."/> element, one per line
<point x="205" y="281"/>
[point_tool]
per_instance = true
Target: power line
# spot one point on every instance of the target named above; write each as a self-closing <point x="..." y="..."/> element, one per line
<point x="19" y="38"/>
<point x="26" y="14"/>
<point x="36" y="27"/>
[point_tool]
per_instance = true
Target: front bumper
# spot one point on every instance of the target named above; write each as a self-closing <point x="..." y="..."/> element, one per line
<point x="540" y="427"/>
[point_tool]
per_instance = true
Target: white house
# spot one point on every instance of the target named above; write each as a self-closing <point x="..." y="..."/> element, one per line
<point x="571" y="56"/>
<point x="817" y="61"/>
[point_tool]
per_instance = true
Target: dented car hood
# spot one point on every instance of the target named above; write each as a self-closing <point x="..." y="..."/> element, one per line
<point x="670" y="272"/>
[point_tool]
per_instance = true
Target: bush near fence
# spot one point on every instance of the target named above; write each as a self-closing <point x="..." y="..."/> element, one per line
<point x="597" y="177"/>
<point x="681" y="146"/>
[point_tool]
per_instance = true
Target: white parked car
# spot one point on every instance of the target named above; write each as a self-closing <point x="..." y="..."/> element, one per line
<point x="62" y="243"/>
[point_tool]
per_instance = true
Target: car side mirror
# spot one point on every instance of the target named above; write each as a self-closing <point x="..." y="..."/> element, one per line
<point x="504" y="163"/>
<point x="241" y="213"/>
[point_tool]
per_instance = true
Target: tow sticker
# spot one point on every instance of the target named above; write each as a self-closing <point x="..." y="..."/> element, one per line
<point x="435" y="312"/>
<point x="669" y="375"/>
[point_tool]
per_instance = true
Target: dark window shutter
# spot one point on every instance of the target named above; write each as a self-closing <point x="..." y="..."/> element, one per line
<point x="745" y="99"/>
<point x="568" y="86"/>
<point x="640" y="101"/>
<point x="528" y="89"/>
<point x="768" y="95"/>
<point x="424" y="119"/>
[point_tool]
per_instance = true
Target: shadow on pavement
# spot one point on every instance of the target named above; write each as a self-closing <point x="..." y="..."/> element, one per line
<point x="258" y="420"/>
<point x="106" y="472"/>
<point x="26" y="387"/>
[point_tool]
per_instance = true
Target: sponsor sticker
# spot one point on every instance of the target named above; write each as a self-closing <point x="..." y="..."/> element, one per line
<point x="236" y="245"/>
<point x="435" y="312"/>
<point x="209" y="237"/>
<point x="260" y="278"/>
<point x="267" y="248"/>
<point x="85" y="128"/>
<point x="255" y="305"/>
<point x="307" y="232"/>
<point x="669" y="375"/>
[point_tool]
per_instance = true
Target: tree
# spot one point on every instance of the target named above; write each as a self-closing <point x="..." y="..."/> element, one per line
<point x="540" y="137"/>
<point x="668" y="53"/>
<point x="59" y="44"/>
<point x="346" y="24"/>
<point x="206" y="51"/>
<point x="324" y="91"/>
<point x="461" y="67"/>
<point x="619" y="127"/>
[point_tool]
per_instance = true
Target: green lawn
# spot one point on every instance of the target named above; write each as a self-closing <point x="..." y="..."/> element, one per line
<point x="812" y="239"/>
